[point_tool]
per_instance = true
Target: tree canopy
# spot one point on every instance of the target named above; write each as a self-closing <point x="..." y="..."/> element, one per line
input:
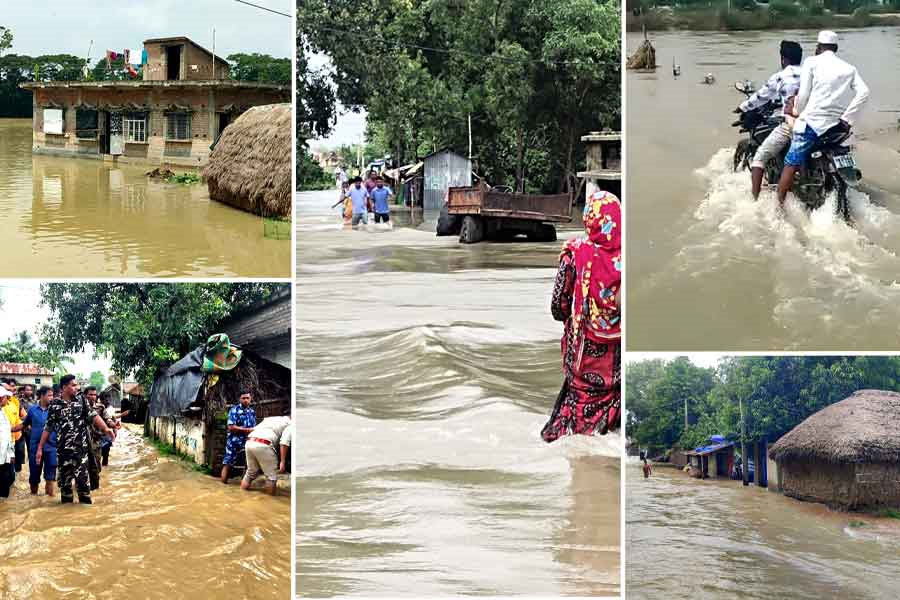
<point x="22" y="348"/>
<point x="778" y="392"/>
<point x="533" y="76"/>
<point x="261" y="68"/>
<point x="143" y="327"/>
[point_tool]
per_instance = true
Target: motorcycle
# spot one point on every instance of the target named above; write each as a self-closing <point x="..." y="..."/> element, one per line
<point x="830" y="168"/>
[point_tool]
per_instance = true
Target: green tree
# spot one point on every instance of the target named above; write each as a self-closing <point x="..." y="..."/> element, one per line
<point x="261" y="68"/>
<point x="21" y="348"/>
<point x="143" y="327"/>
<point x="97" y="379"/>
<point x="6" y="39"/>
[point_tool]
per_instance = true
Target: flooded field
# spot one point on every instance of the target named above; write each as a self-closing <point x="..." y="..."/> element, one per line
<point x="66" y="217"/>
<point x="157" y="529"/>
<point x="716" y="539"/>
<point x="426" y="371"/>
<point x="709" y="269"/>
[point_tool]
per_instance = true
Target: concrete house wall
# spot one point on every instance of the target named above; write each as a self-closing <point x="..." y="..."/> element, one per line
<point x="196" y="61"/>
<point x="188" y="435"/>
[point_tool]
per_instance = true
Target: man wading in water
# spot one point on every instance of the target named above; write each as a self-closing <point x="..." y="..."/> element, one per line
<point x="70" y="418"/>
<point x="241" y="420"/>
<point x="586" y="299"/>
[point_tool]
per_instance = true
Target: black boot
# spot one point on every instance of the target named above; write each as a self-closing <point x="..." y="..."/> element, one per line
<point x="68" y="499"/>
<point x="85" y="499"/>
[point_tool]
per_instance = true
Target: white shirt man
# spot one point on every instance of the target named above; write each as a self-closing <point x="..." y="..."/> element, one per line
<point x="267" y="448"/>
<point x="831" y="89"/>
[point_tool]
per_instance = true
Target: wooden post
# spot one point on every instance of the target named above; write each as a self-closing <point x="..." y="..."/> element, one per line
<point x="743" y="442"/>
<point x="685" y="414"/>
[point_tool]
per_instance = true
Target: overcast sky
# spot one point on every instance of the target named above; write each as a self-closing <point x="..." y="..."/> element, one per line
<point x="68" y="26"/>
<point x="22" y="310"/>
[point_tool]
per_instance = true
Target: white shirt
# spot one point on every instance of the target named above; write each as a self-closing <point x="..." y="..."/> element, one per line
<point x="7" y="450"/>
<point x="783" y="85"/>
<point x="274" y="429"/>
<point x="831" y="90"/>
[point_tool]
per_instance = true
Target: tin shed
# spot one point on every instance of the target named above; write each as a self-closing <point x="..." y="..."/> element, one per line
<point x="444" y="169"/>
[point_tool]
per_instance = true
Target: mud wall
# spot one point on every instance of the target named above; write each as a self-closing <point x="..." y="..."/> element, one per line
<point x="850" y="486"/>
<point x="189" y="435"/>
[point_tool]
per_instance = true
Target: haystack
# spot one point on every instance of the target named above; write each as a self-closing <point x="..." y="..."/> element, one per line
<point x="250" y="167"/>
<point x="846" y="455"/>
<point x="644" y="57"/>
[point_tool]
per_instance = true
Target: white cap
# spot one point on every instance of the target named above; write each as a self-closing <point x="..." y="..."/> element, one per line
<point x="828" y="37"/>
<point x="4" y="392"/>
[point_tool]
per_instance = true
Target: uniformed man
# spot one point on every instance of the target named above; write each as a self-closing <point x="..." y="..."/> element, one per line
<point x="71" y="417"/>
<point x="267" y="450"/>
<point x="241" y="420"/>
<point x="96" y="435"/>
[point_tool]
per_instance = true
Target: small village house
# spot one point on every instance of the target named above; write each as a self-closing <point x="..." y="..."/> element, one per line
<point x="604" y="162"/>
<point x="24" y="373"/>
<point x="847" y="455"/>
<point x="170" y="116"/>
<point x="187" y="408"/>
<point x="715" y="460"/>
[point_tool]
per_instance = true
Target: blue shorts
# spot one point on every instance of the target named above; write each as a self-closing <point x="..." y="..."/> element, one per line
<point x="801" y="147"/>
<point x="234" y="446"/>
<point x="48" y="466"/>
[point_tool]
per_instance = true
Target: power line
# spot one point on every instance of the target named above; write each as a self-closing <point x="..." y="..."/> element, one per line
<point x="264" y="8"/>
<point x="397" y="45"/>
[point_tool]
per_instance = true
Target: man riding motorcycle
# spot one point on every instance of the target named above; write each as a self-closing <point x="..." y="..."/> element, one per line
<point x="831" y="94"/>
<point x="782" y="85"/>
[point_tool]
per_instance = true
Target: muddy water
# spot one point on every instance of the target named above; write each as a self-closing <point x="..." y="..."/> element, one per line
<point x="426" y="371"/>
<point x="66" y="217"/>
<point x="708" y="268"/>
<point x="716" y="539"/>
<point x="157" y="529"/>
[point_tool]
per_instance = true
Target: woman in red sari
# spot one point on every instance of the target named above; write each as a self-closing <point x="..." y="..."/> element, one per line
<point x="586" y="299"/>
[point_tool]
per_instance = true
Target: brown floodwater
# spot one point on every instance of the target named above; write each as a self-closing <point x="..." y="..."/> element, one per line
<point x="709" y="269"/>
<point x="157" y="529"/>
<point x="70" y="217"/>
<point x="716" y="539"/>
<point x="426" y="370"/>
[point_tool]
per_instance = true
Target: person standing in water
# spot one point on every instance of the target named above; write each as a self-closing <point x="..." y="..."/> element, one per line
<point x="586" y="299"/>
<point x="241" y="421"/>
<point x="37" y="420"/>
<point x="647" y="470"/>
<point x="381" y="196"/>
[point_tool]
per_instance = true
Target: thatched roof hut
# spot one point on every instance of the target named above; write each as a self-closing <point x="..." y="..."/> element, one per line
<point x="250" y="167"/>
<point x="847" y="454"/>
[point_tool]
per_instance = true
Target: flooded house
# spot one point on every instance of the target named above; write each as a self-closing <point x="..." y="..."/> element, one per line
<point x="847" y="455"/>
<point x="189" y="403"/>
<point x="170" y="115"/>
<point x="604" y="162"/>
<point x="23" y="373"/>
<point x="714" y="460"/>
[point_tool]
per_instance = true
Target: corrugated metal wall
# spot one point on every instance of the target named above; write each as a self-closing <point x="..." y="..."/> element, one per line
<point x="442" y="171"/>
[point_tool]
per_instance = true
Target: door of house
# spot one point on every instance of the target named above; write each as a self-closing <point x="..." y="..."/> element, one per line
<point x="103" y="124"/>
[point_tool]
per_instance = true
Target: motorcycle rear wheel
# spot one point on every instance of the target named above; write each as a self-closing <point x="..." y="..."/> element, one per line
<point x="842" y="208"/>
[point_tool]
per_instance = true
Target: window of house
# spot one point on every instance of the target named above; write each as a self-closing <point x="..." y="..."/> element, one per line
<point x="135" y="125"/>
<point x="178" y="126"/>
<point x="86" y="124"/>
<point x="53" y="120"/>
<point x="37" y="381"/>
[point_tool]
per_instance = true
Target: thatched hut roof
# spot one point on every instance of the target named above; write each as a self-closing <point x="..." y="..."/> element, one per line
<point x="250" y="167"/>
<point x="859" y="429"/>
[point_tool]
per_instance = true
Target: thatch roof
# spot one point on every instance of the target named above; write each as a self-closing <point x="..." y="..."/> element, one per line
<point x="859" y="429"/>
<point x="250" y="167"/>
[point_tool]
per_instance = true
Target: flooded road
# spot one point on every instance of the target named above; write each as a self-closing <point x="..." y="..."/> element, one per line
<point x="157" y="529"/>
<point x="709" y="269"/>
<point x="716" y="539"/>
<point x="426" y="370"/>
<point x="68" y="217"/>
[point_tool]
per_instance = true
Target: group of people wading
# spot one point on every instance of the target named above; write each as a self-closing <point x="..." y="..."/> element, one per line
<point x="62" y="429"/>
<point x="359" y="198"/>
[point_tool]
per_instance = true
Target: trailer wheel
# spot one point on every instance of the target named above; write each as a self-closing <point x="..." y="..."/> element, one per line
<point x="447" y="224"/>
<point x="472" y="230"/>
<point x="545" y="233"/>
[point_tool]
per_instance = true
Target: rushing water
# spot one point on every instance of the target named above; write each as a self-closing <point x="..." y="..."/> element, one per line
<point x="70" y="217"/>
<point x="426" y="371"/>
<point x="157" y="529"/>
<point x="708" y="268"/>
<point x="716" y="539"/>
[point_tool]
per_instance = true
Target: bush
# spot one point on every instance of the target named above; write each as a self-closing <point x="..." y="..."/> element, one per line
<point x="785" y="8"/>
<point x="862" y="17"/>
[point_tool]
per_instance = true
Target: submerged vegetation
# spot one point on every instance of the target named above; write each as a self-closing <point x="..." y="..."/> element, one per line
<point x="183" y="178"/>
<point x="738" y="15"/>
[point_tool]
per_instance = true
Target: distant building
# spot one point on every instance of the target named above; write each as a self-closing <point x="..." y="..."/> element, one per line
<point x="715" y="460"/>
<point x="26" y="373"/>
<point x="169" y="117"/>
<point x="604" y="162"/>
<point x="443" y="169"/>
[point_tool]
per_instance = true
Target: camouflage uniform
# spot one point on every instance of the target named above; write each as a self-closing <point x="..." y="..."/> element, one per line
<point x="96" y="437"/>
<point x="71" y="420"/>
